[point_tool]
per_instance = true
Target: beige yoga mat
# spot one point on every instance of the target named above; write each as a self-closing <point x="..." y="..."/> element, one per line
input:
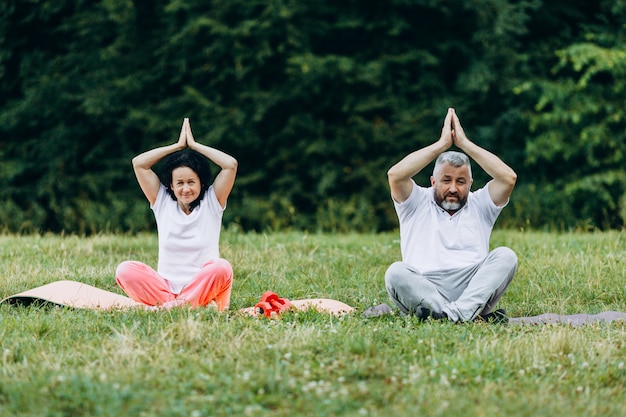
<point x="78" y="295"/>
<point x="325" y="305"/>
<point x="72" y="294"/>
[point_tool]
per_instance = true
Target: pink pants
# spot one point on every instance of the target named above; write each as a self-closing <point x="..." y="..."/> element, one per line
<point x="143" y="284"/>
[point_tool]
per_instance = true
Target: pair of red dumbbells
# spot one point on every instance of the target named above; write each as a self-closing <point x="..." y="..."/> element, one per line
<point x="271" y="304"/>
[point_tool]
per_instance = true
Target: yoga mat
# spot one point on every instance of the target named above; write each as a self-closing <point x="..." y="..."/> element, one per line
<point x="547" y="318"/>
<point x="78" y="295"/>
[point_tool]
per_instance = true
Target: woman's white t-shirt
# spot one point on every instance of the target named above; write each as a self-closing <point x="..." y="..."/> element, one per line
<point x="186" y="242"/>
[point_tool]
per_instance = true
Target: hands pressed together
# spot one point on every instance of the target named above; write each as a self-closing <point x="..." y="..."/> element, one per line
<point x="452" y="132"/>
<point x="186" y="138"/>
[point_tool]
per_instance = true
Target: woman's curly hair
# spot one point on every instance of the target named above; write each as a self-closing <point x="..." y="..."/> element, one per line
<point x="190" y="159"/>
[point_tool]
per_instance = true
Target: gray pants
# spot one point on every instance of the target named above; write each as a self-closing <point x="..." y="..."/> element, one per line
<point x="460" y="293"/>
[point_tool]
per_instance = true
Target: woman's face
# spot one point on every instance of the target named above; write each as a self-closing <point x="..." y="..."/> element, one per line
<point x="186" y="185"/>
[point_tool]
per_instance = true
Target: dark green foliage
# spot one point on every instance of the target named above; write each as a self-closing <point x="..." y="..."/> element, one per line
<point x="316" y="100"/>
<point x="577" y="141"/>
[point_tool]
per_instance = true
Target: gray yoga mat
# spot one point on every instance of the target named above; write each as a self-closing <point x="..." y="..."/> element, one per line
<point x="547" y="318"/>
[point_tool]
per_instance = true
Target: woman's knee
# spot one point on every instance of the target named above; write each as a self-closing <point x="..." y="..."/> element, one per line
<point x="220" y="268"/>
<point x="129" y="271"/>
<point x="125" y="269"/>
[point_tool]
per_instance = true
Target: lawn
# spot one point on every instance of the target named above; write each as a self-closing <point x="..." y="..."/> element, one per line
<point x="62" y="362"/>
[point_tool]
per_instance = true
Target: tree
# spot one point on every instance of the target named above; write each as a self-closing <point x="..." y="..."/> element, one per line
<point x="579" y="142"/>
<point x="316" y="99"/>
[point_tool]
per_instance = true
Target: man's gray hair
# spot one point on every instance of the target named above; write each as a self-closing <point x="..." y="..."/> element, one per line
<point x="456" y="159"/>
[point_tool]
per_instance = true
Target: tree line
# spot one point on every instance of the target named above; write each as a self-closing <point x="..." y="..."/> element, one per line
<point x="315" y="98"/>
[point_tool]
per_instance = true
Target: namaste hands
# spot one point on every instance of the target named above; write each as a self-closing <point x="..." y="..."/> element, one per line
<point x="186" y="138"/>
<point x="452" y="131"/>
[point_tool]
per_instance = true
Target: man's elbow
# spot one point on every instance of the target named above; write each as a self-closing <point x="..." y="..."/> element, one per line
<point x="512" y="179"/>
<point x="393" y="175"/>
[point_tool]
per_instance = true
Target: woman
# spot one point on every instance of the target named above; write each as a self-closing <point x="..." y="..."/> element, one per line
<point x="188" y="212"/>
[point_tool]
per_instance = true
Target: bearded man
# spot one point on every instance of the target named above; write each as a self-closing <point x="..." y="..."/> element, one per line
<point x="447" y="269"/>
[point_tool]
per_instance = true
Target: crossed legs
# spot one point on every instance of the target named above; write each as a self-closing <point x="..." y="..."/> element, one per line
<point x="460" y="293"/>
<point x="213" y="283"/>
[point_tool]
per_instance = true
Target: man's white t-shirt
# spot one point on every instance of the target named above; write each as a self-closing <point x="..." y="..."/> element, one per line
<point x="186" y="242"/>
<point x="432" y="240"/>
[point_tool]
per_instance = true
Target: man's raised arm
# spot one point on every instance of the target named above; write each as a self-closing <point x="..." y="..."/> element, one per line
<point x="399" y="175"/>
<point x="504" y="178"/>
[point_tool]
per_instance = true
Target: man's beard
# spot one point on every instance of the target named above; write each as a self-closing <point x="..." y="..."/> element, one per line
<point x="451" y="206"/>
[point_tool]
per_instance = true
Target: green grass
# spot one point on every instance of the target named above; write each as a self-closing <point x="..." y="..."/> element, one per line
<point x="62" y="362"/>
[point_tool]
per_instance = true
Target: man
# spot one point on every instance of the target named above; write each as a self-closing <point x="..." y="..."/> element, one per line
<point x="447" y="270"/>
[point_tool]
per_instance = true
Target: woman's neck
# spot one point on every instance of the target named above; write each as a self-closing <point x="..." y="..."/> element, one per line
<point x="187" y="209"/>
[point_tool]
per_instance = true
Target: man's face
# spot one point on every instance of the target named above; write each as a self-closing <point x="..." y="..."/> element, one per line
<point x="451" y="187"/>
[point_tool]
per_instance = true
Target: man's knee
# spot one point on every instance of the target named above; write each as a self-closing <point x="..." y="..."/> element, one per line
<point x="395" y="270"/>
<point x="505" y="260"/>
<point x="505" y="255"/>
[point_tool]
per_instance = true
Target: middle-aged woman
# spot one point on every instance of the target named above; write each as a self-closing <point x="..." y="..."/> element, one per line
<point x="188" y="210"/>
